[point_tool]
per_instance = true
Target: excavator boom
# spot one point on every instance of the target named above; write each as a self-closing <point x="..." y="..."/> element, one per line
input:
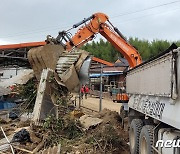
<point x="98" y="23"/>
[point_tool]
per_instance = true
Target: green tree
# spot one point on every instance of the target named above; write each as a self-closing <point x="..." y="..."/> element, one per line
<point x="147" y="49"/>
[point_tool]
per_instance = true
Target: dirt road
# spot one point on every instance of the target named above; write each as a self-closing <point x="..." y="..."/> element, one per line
<point x="93" y="103"/>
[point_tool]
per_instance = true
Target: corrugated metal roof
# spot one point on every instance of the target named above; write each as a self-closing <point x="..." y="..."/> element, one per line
<point x="96" y="75"/>
<point x="107" y="69"/>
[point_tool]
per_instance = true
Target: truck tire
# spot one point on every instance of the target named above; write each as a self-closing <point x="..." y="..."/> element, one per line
<point x="134" y="133"/>
<point x="146" y="140"/>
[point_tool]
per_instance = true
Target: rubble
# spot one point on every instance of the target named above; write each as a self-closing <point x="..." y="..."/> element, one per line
<point x="52" y="121"/>
<point x="7" y="143"/>
<point x="88" y="121"/>
<point x="100" y="133"/>
<point x="104" y="134"/>
<point x="20" y="79"/>
<point x="13" y="92"/>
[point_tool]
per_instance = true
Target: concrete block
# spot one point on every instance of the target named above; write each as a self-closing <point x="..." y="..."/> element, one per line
<point x="44" y="105"/>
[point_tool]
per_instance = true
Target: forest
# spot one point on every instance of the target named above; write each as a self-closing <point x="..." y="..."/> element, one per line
<point x="147" y="49"/>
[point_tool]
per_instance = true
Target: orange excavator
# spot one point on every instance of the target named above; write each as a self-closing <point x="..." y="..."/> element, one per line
<point x="96" y="23"/>
<point x="51" y="54"/>
<point x="99" y="23"/>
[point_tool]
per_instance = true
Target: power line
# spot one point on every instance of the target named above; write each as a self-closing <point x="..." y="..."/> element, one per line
<point x="126" y="21"/>
<point x="148" y="15"/>
<point x="149" y="8"/>
<point x="40" y="30"/>
<point x="33" y="31"/>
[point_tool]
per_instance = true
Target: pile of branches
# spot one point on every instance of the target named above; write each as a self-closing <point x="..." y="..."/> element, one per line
<point x="60" y="130"/>
<point x="27" y="93"/>
<point x="68" y="132"/>
<point x="63" y="129"/>
<point x="105" y="140"/>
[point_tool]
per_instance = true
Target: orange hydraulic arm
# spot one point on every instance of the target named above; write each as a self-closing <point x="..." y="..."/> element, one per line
<point x="102" y="61"/>
<point x="97" y="23"/>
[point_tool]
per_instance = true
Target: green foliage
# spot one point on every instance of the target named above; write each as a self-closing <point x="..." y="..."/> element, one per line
<point x="103" y="50"/>
<point x="28" y="93"/>
<point x="28" y="89"/>
<point x="53" y="124"/>
<point x="61" y="129"/>
<point x="147" y="49"/>
<point x="72" y="130"/>
<point x="61" y="101"/>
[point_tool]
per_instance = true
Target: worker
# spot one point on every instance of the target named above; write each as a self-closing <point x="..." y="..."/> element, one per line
<point x="82" y="91"/>
<point x="86" y="90"/>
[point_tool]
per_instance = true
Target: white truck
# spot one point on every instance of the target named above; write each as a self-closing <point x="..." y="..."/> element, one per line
<point x="154" y="104"/>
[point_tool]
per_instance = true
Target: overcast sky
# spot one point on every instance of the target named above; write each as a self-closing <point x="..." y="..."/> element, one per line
<point x="33" y="20"/>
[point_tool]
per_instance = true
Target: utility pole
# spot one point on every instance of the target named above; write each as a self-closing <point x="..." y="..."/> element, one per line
<point x="100" y="101"/>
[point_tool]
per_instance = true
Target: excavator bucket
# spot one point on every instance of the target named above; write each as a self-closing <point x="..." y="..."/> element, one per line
<point x="66" y="65"/>
<point x="67" y="68"/>
<point x="44" y="57"/>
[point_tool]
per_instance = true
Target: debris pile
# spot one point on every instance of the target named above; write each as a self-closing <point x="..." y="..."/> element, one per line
<point x="100" y="133"/>
<point x="106" y="137"/>
<point x="46" y="119"/>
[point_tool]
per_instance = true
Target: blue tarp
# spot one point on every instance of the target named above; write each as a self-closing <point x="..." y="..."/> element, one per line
<point x="6" y="105"/>
<point x="96" y="75"/>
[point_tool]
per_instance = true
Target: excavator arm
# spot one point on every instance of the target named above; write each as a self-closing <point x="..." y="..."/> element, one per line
<point x="99" y="23"/>
<point x="87" y="32"/>
<point x="128" y="51"/>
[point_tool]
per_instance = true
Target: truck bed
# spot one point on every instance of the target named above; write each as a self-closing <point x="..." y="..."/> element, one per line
<point x="152" y="77"/>
<point x="153" y="87"/>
